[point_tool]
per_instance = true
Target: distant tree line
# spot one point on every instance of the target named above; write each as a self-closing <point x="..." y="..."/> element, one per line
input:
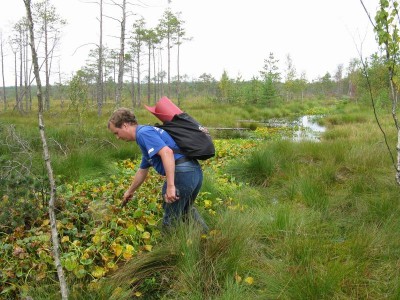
<point x="266" y="89"/>
<point x="136" y="71"/>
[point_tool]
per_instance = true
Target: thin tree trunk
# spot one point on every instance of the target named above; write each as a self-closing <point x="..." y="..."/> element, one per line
<point x="2" y="72"/>
<point x="139" y="91"/>
<point x="52" y="215"/>
<point x="121" y="60"/>
<point x="149" y="76"/>
<point x="26" y="78"/>
<point x="398" y="158"/>
<point x="60" y="95"/>
<point x="162" y="77"/>
<point x="396" y="122"/>
<point x="178" y="92"/>
<point x="100" y="65"/>
<point x="133" y="85"/>
<point x="16" y="79"/>
<point x="169" y="61"/>
<point x="155" y="77"/>
<point x="46" y="60"/>
<point x="21" y="61"/>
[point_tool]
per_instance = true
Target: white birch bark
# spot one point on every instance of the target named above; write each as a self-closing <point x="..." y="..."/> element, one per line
<point x="54" y="233"/>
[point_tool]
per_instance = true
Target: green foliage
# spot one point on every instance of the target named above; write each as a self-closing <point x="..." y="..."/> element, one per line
<point x="78" y="93"/>
<point x="317" y="224"/>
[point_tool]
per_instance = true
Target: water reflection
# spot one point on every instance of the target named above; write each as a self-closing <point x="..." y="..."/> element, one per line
<point x="305" y="128"/>
<point x="308" y="129"/>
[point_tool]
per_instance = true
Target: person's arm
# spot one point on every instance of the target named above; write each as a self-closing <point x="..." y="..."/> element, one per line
<point x="137" y="181"/>
<point x="168" y="161"/>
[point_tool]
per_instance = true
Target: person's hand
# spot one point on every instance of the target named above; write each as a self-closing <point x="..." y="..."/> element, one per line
<point x="171" y="195"/>
<point x="127" y="196"/>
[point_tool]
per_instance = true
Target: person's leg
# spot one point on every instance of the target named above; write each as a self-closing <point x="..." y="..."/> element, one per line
<point x="192" y="211"/>
<point x="188" y="180"/>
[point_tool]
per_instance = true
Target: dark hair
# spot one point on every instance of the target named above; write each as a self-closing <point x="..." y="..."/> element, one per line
<point x="121" y="116"/>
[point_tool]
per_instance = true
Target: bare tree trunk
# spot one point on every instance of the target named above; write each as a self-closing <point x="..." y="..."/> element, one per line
<point x="100" y="65"/>
<point x="52" y="215"/>
<point x="139" y="91"/>
<point x="178" y="92"/>
<point x="26" y="76"/>
<point x="149" y="76"/>
<point x="398" y="158"/>
<point x="2" y="72"/>
<point x="133" y="90"/>
<point x="133" y="84"/>
<point x="162" y="76"/>
<point x="16" y="80"/>
<point x="21" y="61"/>
<point x="169" y="60"/>
<point x="46" y="61"/>
<point x="155" y="77"/>
<point x="121" y="60"/>
<point x="60" y="95"/>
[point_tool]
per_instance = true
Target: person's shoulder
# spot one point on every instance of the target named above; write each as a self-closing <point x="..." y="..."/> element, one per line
<point x="146" y="130"/>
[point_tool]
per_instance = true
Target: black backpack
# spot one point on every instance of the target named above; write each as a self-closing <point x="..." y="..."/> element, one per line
<point x="192" y="138"/>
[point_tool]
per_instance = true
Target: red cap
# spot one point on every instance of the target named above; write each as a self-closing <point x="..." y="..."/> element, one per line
<point x="164" y="109"/>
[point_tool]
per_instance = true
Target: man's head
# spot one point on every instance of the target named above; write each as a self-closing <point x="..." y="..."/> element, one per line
<point x="121" y="116"/>
<point x="122" y="124"/>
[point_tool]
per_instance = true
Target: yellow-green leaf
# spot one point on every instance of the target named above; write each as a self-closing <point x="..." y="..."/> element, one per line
<point x="249" y="280"/>
<point x="117" y="249"/>
<point x="146" y="235"/>
<point x="98" y="272"/>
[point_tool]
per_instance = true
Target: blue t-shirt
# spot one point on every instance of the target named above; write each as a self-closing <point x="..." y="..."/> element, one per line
<point x="151" y="140"/>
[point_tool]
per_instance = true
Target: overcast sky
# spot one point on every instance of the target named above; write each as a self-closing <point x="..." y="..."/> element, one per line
<point x="231" y="35"/>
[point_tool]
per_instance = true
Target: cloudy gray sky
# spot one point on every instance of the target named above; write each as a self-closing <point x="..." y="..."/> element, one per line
<point x="231" y="35"/>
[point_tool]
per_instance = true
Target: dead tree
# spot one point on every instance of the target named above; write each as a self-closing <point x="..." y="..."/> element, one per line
<point x="121" y="55"/>
<point x="52" y="215"/>
<point x="2" y="72"/>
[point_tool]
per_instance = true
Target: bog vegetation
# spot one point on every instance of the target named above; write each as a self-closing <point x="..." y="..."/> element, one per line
<point x="289" y="220"/>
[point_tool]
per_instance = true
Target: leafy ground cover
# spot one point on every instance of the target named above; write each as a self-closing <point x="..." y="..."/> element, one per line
<point x="96" y="233"/>
<point x="290" y="220"/>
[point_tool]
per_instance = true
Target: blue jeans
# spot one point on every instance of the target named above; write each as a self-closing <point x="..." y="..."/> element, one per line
<point x="188" y="180"/>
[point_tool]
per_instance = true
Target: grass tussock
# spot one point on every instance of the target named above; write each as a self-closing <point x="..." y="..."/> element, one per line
<point x="330" y="216"/>
<point x="314" y="220"/>
<point x="188" y="264"/>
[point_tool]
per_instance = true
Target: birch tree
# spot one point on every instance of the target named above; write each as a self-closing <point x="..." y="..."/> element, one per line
<point x="52" y="215"/>
<point x="386" y="26"/>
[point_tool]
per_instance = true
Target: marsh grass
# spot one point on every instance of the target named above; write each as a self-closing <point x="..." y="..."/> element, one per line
<point x="78" y="150"/>
<point x="320" y="220"/>
<point x="192" y="265"/>
<point x="330" y="218"/>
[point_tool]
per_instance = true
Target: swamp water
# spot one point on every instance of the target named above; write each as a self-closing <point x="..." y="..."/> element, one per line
<point x="304" y="128"/>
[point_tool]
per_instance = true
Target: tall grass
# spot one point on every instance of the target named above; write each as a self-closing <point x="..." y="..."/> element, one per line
<point x="319" y="219"/>
<point x="195" y="266"/>
<point x="78" y="150"/>
<point x="329" y="217"/>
